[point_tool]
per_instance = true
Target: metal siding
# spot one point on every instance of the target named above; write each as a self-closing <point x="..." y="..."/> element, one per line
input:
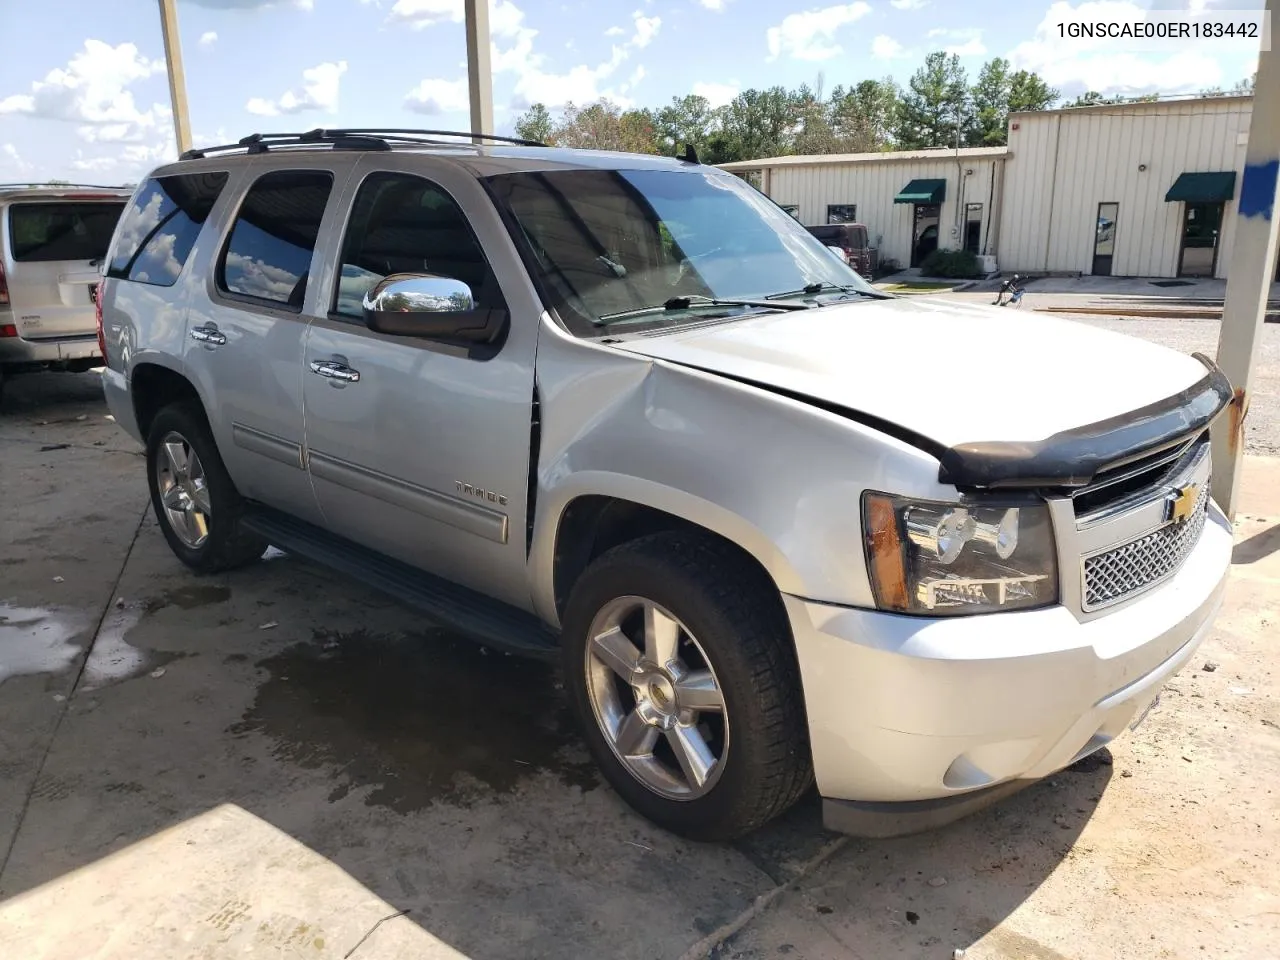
<point x="1098" y="153"/>
<point x="1098" y="156"/>
<point x="872" y="186"/>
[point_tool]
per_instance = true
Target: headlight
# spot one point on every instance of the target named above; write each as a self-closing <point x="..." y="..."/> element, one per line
<point x="944" y="559"/>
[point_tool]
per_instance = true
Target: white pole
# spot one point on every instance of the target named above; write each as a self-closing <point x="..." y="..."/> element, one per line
<point x="1249" y="274"/>
<point x="479" y="76"/>
<point x="177" y="79"/>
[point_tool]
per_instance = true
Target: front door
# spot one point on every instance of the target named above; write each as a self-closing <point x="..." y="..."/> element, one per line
<point x="1104" y="239"/>
<point x="420" y="449"/>
<point x="924" y="233"/>
<point x="1201" y="225"/>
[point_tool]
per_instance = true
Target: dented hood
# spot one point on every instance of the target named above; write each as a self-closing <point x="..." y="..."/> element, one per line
<point x="950" y="372"/>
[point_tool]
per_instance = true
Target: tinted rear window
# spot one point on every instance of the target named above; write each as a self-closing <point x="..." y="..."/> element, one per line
<point x="828" y="233"/>
<point x="62" y="230"/>
<point x="158" y="232"/>
<point x="268" y="256"/>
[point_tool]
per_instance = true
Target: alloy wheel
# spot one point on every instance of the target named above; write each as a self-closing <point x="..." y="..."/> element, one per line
<point x="656" y="698"/>
<point x="184" y="490"/>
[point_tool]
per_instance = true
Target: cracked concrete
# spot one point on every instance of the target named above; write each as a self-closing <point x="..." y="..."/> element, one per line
<point x="229" y="788"/>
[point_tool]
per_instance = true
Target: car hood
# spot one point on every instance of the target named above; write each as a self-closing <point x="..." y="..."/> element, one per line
<point x="951" y="372"/>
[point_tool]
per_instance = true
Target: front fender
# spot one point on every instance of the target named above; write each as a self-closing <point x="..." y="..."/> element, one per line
<point x="779" y="477"/>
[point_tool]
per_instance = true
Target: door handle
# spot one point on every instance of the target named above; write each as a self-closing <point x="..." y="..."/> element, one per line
<point x="333" y="370"/>
<point x="208" y="335"/>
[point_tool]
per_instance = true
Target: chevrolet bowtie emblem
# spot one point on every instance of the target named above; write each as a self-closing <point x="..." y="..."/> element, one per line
<point x="1182" y="502"/>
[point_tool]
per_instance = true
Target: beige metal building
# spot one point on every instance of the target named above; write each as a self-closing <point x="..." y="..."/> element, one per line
<point x="910" y="201"/>
<point x="1137" y="189"/>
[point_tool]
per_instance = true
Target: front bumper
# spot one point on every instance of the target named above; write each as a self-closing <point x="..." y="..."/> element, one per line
<point x="958" y="712"/>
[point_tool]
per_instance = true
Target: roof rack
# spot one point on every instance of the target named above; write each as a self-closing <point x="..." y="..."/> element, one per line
<point x="354" y="138"/>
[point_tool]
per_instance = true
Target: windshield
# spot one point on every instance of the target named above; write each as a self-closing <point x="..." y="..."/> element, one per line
<point x="608" y="242"/>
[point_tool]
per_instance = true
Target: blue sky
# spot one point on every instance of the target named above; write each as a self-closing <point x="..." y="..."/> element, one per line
<point x="88" y="100"/>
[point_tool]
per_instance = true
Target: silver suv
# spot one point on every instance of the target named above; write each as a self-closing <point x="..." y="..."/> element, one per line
<point x="625" y="410"/>
<point x="52" y="242"/>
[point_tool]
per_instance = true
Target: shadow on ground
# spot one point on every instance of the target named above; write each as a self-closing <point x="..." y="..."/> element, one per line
<point x="446" y="779"/>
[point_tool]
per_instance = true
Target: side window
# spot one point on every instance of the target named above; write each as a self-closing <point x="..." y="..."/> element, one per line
<point x="842" y="212"/>
<point x="405" y="224"/>
<point x="160" y="227"/>
<point x="268" y="255"/>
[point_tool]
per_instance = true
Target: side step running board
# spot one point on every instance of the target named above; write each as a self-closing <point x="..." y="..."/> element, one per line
<point x="486" y="620"/>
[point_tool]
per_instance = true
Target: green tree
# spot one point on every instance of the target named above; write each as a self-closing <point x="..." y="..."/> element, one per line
<point x="813" y="131"/>
<point x="989" y="126"/>
<point x="1245" y="85"/>
<point x="934" y="104"/>
<point x="1028" y="91"/>
<point x="864" y="117"/>
<point x="535" y="124"/>
<point x="603" y="125"/>
<point x="688" y="119"/>
<point x="757" y="123"/>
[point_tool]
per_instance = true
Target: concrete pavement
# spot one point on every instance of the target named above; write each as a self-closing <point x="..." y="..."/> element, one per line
<point x="276" y="763"/>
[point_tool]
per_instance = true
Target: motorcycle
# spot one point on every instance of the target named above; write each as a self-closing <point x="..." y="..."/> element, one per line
<point x="1011" y="288"/>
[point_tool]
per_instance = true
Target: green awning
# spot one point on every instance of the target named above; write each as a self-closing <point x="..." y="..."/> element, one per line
<point x="1203" y="187"/>
<point x="922" y="191"/>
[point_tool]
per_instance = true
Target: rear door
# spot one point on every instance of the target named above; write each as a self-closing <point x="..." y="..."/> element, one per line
<point x="52" y="254"/>
<point x="247" y="326"/>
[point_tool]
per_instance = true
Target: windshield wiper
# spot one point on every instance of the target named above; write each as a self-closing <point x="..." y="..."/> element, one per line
<point x="695" y="300"/>
<point x="813" y="289"/>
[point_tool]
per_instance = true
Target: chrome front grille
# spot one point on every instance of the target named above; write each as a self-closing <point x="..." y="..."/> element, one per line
<point x="1114" y="574"/>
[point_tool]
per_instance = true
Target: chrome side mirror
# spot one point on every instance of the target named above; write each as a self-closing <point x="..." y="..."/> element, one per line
<point x="428" y="306"/>
<point x="419" y="293"/>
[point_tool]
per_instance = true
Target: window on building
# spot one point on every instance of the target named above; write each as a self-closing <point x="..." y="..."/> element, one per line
<point x="842" y="213"/>
<point x="791" y="208"/>
<point x="161" y="225"/>
<point x="973" y="228"/>
<point x="405" y="224"/>
<point x="268" y="256"/>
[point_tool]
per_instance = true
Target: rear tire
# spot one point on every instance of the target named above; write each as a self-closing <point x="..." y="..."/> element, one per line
<point x="195" y="502"/>
<point x="728" y="642"/>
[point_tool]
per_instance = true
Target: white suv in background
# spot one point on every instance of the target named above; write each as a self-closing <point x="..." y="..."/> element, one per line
<point x="52" y="243"/>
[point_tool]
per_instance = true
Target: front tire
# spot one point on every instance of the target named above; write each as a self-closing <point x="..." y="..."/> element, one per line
<point x="682" y="673"/>
<point x="195" y="501"/>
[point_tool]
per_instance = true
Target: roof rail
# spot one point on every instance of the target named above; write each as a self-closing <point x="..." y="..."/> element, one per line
<point x="355" y="138"/>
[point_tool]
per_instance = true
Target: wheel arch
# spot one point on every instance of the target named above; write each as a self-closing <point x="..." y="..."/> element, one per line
<point x="605" y="510"/>
<point x="152" y="387"/>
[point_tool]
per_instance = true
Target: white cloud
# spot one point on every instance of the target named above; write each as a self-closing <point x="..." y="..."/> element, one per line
<point x="886" y="48"/>
<point x="11" y="159"/>
<point x="319" y="92"/>
<point x="438" y="96"/>
<point x="1106" y="65"/>
<point x="614" y="32"/>
<point x="966" y="42"/>
<point x="716" y="5"/>
<point x="537" y="82"/>
<point x="420" y="14"/>
<point x="908" y="4"/>
<point x="716" y="94"/>
<point x="97" y="164"/>
<point x="646" y="30"/>
<point x="208" y="38"/>
<point x="811" y="35"/>
<point x="307" y="5"/>
<point x="505" y="19"/>
<point x="92" y="90"/>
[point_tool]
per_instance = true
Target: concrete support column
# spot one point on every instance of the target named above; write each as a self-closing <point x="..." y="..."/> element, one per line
<point x="177" y="79"/>
<point x="1249" y="274"/>
<point x="479" y="75"/>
